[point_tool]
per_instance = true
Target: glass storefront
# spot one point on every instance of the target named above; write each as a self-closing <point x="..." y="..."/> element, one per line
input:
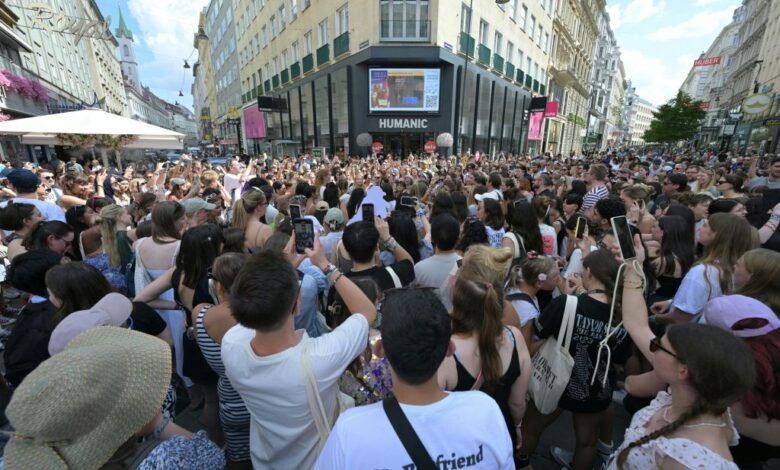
<point x="323" y="112"/>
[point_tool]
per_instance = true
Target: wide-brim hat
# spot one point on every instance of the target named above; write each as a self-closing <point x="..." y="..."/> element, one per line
<point x="78" y="407"/>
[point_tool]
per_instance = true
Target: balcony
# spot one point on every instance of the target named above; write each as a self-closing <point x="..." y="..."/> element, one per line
<point x="466" y="45"/>
<point x="254" y="94"/>
<point x="285" y="76"/>
<point x="520" y="76"/>
<point x="498" y="63"/>
<point x="484" y="55"/>
<point x="323" y="55"/>
<point x="404" y="31"/>
<point x="295" y="70"/>
<point x="267" y="86"/>
<point x="259" y="90"/>
<point x="341" y="44"/>
<point x="535" y="87"/>
<point x="529" y="81"/>
<point x="563" y="74"/>
<point x="509" y="70"/>
<point x="275" y="80"/>
<point x="308" y="63"/>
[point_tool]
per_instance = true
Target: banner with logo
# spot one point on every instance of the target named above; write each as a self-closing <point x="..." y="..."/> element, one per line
<point x="535" y="125"/>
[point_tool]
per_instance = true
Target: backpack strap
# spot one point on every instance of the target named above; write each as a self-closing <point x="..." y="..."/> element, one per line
<point x="408" y="437"/>
<point x="522" y="296"/>
<point x="394" y="276"/>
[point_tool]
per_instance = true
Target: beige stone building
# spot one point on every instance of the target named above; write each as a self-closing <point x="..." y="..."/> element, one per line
<point x="404" y="71"/>
<point x="204" y="95"/>
<point x="575" y="35"/>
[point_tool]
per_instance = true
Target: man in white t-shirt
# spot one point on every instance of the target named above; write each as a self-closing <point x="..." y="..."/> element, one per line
<point x="457" y="430"/>
<point x="233" y="180"/>
<point x="25" y="184"/>
<point x="263" y="356"/>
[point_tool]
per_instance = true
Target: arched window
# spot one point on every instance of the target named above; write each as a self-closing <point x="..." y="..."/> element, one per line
<point x="127" y="51"/>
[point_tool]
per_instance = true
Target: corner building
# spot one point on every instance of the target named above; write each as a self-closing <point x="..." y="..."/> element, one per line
<point x="395" y="69"/>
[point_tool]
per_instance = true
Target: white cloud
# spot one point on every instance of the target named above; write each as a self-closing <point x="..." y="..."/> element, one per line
<point x="656" y="80"/>
<point x="702" y="24"/>
<point x="167" y="29"/>
<point x="615" y="16"/>
<point x="704" y="3"/>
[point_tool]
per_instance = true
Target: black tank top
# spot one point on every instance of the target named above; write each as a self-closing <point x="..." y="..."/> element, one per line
<point x="501" y="392"/>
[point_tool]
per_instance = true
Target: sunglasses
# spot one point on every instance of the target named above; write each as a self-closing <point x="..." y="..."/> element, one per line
<point x="722" y="181"/>
<point x="655" y="345"/>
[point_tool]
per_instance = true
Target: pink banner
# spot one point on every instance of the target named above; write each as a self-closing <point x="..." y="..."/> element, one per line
<point x="551" y="110"/>
<point x="535" y="126"/>
<point x="254" y="123"/>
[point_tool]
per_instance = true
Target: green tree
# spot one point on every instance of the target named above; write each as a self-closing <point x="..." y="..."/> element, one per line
<point x="678" y="119"/>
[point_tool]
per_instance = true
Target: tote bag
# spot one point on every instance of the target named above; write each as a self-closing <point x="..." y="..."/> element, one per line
<point x="552" y="364"/>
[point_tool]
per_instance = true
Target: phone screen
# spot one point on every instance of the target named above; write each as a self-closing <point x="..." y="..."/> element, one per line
<point x="295" y="211"/>
<point x="368" y="213"/>
<point x="623" y="235"/>
<point x="579" y="229"/>
<point x="304" y="235"/>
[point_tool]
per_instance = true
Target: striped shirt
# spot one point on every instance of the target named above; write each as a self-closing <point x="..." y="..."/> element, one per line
<point x="593" y="196"/>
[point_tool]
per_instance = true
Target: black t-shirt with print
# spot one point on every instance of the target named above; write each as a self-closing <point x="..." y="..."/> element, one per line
<point x="404" y="269"/>
<point x="590" y="328"/>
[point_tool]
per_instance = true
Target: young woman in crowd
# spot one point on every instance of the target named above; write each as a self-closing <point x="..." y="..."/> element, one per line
<point x="730" y="186"/>
<point x="489" y="356"/>
<point x="20" y="219"/>
<point x="674" y="257"/>
<point x="706" y="369"/>
<point x="54" y="235"/>
<point x="77" y="188"/>
<point x="757" y="275"/>
<point x="524" y="234"/>
<point x="588" y="399"/>
<point x="635" y="198"/>
<point x="536" y="273"/>
<point x="707" y="182"/>
<point x="542" y="205"/>
<point x="247" y="212"/>
<point x="212" y="320"/>
<point x="489" y="212"/>
<point x="115" y="251"/>
<point x="728" y="206"/>
<point x="725" y="238"/>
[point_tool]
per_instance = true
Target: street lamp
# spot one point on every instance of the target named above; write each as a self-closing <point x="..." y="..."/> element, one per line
<point x="465" y="68"/>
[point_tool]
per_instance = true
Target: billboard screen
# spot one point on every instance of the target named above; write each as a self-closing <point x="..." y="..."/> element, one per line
<point x="394" y="90"/>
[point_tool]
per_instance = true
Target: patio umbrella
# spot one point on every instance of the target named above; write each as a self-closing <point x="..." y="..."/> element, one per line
<point x="53" y="129"/>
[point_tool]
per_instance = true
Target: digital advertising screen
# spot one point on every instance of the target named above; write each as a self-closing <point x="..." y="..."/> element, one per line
<point x="393" y="90"/>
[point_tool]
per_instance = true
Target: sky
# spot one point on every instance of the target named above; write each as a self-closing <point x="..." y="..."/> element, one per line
<point x="659" y="40"/>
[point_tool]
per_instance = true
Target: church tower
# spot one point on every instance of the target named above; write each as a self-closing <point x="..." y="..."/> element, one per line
<point x="127" y="54"/>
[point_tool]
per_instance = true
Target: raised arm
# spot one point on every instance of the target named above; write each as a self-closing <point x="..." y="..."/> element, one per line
<point x="635" y="314"/>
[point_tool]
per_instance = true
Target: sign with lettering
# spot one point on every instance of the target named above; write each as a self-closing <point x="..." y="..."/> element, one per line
<point x="706" y="61"/>
<point x="44" y="17"/>
<point x="403" y="123"/>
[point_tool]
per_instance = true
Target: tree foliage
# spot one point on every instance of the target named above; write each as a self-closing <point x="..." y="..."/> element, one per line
<point x="678" y="119"/>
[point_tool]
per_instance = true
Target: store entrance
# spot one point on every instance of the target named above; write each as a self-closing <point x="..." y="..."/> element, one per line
<point x="404" y="144"/>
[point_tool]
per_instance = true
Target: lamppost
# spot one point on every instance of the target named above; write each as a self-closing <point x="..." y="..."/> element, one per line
<point x="465" y="68"/>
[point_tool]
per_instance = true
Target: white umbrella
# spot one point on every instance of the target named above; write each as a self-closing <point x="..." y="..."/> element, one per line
<point x="43" y="130"/>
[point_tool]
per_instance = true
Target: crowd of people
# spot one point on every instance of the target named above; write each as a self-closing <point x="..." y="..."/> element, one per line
<point x="412" y="330"/>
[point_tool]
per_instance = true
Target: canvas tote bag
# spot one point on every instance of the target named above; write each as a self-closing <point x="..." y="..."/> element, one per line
<point x="552" y="364"/>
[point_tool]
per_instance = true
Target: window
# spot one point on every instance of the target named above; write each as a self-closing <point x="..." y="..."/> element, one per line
<point x="126" y="50"/>
<point x="512" y="8"/>
<point x="546" y="42"/>
<point x="323" y="31"/>
<point x="532" y="27"/>
<point x="284" y="59"/>
<point x="267" y="71"/>
<point x="306" y="4"/>
<point x="536" y="71"/>
<point x="520" y="59"/>
<point x="483" y="32"/>
<point x="293" y="9"/>
<point x="282" y="20"/>
<point x="276" y="65"/>
<point x="273" y="27"/>
<point x="498" y="39"/>
<point x="539" y="33"/>
<point x="510" y="50"/>
<point x="465" y="19"/>
<point x="404" y="20"/>
<point x="294" y="49"/>
<point x="264" y="32"/>
<point x="342" y="20"/>
<point x="307" y="43"/>
<point x="528" y="68"/>
<point x="523" y="17"/>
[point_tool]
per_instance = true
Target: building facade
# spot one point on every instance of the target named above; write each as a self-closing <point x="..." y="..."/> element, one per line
<point x="575" y="35"/>
<point x="223" y="54"/>
<point x="606" y="89"/>
<point x="641" y="117"/>
<point x="104" y="65"/>
<point x="204" y="95"/>
<point x="404" y="72"/>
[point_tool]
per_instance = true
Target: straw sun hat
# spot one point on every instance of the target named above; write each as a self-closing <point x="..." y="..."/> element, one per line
<point x="78" y="407"/>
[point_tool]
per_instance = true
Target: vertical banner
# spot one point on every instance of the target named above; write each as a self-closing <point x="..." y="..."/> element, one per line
<point x="535" y="125"/>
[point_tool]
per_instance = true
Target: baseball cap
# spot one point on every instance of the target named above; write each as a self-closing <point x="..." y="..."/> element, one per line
<point x="195" y="204"/>
<point x="178" y="181"/>
<point x="727" y="310"/>
<point x="112" y="310"/>
<point x="23" y="179"/>
<point x="334" y="215"/>
<point x="322" y="206"/>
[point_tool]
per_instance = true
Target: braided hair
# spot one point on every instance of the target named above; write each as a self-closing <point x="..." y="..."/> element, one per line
<point x="720" y="368"/>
